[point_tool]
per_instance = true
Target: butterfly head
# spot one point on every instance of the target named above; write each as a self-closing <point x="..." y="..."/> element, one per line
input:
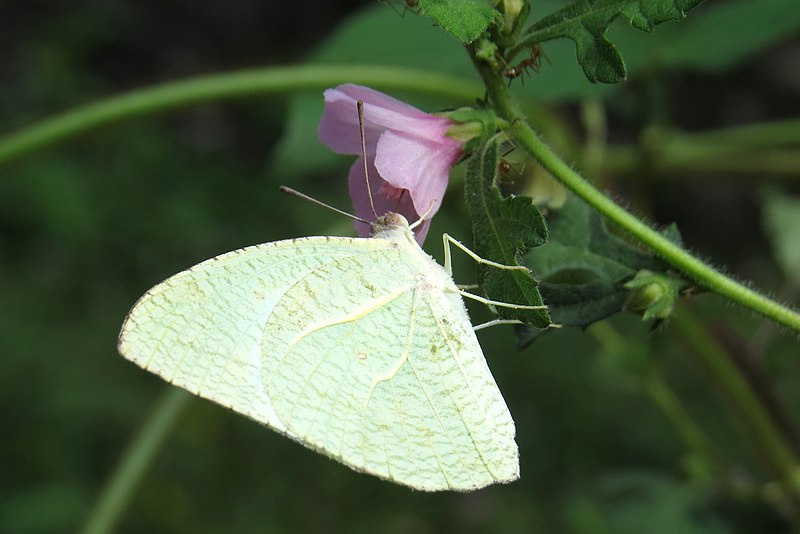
<point x="391" y="223"/>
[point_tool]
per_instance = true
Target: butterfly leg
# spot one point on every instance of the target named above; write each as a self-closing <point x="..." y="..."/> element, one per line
<point x="467" y="286"/>
<point x="448" y="266"/>
<point x="495" y="323"/>
<point x="508" y="321"/>
<point x="490" y="302"/>
<point x="447" y="240"/>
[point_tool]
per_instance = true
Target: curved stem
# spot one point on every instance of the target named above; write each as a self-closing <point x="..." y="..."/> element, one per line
<point x="135" y="462"/>
<point x="682" y="260"/>
<point x="229" y="85"/>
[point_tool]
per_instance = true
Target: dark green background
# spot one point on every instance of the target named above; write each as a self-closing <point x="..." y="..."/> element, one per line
<point x="88" y="226"/>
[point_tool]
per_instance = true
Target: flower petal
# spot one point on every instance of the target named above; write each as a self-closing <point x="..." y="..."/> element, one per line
<point x="421" y="166"/>
<point x="385" y="197"/>
<point x="376" y="98"/>
<point x="338" y="128"/>
<point x="339" y="125"/>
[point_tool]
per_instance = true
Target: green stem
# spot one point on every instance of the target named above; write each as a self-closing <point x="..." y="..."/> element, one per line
<point x="135" y="462"/>
<point x="691" y="266"/>
<point x="760" y="427"/>
<point x="230" y="85"/>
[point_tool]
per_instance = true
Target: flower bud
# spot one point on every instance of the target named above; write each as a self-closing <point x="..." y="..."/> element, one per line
<point x="652" y="295"/>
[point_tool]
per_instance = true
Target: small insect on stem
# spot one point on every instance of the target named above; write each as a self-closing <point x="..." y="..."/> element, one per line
<point x="534" y="62"/>
<point x="409" y="5"/>
<point x="507" y="172"/>
<point x="503" y="167"/>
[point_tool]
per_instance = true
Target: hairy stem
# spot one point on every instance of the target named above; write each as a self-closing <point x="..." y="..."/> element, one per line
<point x="689" y="265"/>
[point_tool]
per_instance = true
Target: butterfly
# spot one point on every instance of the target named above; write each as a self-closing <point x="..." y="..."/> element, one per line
<point x="359" y="348"/>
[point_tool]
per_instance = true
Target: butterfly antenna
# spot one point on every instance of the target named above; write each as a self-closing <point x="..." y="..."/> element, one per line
<point x="423" y="216"/>
<point x="360" y="106"/>
<point x="298" y="194"/>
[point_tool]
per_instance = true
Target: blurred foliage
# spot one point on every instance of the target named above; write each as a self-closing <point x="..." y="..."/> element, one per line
<point x="86" y="228"/>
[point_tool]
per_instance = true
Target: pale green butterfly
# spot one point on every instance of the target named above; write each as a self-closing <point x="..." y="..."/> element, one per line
<point x="359" y="348"/>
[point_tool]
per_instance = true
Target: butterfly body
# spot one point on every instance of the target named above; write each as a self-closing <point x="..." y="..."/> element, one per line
<point x="360" y="348"/>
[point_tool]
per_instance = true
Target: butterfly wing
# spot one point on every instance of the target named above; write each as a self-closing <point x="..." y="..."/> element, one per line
<point x="346" y="345"/>
<point x="384" y="373"/>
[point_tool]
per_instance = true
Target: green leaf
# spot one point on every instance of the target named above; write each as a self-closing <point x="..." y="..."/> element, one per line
<point x="465" y="19"/>
<point x="583" y="269"/>
<point x="585" y="22"/>
<point x="504" y="230"/>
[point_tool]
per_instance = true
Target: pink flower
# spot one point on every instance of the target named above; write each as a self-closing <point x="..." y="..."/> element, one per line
<point x="409" y="154"/>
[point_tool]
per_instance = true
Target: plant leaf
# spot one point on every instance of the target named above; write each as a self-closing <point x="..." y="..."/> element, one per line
<point x="583" y="269"/>
<point x="504" y="230"/>
<point x="465" y="19"/>
<point x="585" y="22"/>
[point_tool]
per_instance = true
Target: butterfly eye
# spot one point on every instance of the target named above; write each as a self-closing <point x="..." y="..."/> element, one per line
<point x="395" y="219"/>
